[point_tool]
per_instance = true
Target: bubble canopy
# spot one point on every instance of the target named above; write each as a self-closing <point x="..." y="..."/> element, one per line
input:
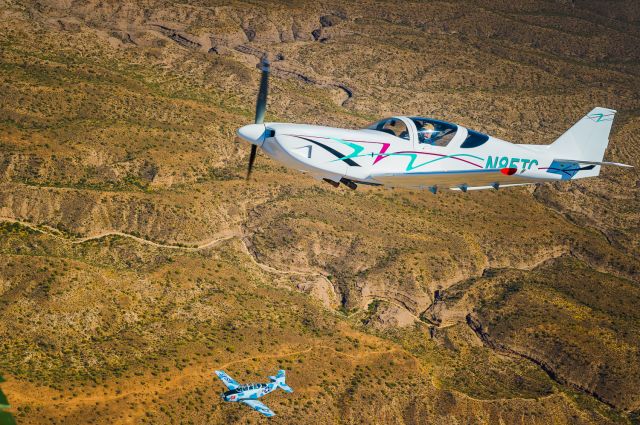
<point x="434" y="132"/>
<point x="430" y="131"/>
<point x="394" y="126"/>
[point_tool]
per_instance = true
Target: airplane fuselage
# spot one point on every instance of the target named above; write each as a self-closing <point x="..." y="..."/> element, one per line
<point x="468" y="159"/>
<point x="249" y="392"/>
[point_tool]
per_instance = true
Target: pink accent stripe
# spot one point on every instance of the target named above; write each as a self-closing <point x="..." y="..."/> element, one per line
<point x="381" y="153"/>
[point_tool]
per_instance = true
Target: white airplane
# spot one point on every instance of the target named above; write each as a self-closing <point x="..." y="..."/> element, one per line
<point x="426" y="153"/>
<point x="250" y="393"/>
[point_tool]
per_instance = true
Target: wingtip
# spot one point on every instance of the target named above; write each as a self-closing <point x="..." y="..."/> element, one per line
<point x="618" y="164"/>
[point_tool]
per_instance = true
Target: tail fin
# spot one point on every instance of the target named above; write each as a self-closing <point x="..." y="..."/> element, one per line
<point x="586" y="140"/>
<point x="280" y="380"/>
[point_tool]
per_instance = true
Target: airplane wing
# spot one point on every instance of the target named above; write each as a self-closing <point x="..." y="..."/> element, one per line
<point x="490" y="187"/>
<point x="259" y="407"/>
<point x="227" y="380"/>
<point x="478" y="179"/>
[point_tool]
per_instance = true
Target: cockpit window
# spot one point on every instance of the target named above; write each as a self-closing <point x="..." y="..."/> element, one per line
<point x="393" y="126"/>
<point x="474" y="139"/>
<point x="434" y="132"/>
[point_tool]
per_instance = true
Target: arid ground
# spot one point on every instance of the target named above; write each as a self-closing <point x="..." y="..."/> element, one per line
<point x="135" y="259"/>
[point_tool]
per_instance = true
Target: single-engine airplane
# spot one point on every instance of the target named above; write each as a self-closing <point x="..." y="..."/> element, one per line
<point x="426" y="153"/>
<point x="250" y="393"/>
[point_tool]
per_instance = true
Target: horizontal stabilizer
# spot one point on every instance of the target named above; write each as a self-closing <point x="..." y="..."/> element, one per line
<point x="286" y="388"/>
<point x="617" y="164"/>
<point x="569" y="169"/>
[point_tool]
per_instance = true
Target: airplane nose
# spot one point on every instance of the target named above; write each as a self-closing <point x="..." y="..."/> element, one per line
<point x="253" y="133"/>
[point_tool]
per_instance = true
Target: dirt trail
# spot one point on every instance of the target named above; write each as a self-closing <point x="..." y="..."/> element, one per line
<point x="192" y="246"/>
<point x="270" y="269"/>
<point x="222" y="236"/>
<point x="183" y="246"/>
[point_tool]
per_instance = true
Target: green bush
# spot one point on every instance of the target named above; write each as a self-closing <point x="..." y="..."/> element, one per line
<point x="5" y="418"/>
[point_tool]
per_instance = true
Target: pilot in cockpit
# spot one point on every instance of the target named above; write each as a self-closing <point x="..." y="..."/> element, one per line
<point x="427" y="133"/>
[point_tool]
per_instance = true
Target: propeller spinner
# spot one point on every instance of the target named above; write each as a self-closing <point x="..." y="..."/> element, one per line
<point x="255" y="133"/>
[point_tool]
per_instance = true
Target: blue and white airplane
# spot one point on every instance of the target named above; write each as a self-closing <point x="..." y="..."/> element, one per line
<point x="250" y="393"/>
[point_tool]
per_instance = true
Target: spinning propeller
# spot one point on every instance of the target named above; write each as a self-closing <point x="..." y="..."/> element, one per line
<point x="261" y="108"/>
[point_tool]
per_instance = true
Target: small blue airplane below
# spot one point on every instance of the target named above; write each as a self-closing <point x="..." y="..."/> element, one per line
<point x="250" y="393"/>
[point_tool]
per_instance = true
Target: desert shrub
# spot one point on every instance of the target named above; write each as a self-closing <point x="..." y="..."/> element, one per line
<point x="5" y="417"/>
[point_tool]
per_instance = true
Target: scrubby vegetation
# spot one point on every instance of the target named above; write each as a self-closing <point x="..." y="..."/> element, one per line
<point x="135" y="260"/>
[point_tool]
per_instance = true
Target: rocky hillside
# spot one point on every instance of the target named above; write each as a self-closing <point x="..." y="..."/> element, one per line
<point x="135" y="259"/>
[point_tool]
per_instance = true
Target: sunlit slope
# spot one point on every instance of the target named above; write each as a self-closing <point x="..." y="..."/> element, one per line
<point x="119" y="340"/>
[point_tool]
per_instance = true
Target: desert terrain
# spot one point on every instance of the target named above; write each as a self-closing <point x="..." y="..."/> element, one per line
<point x="135" y="259"/>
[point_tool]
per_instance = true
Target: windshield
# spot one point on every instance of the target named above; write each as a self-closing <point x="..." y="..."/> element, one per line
<point x="434" y="132"/>
<point x="394" y="126"/>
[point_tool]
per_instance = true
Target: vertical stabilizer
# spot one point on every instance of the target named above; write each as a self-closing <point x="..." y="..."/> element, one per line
<point x="587" y="139"/>
<point x="280" y="380"/>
